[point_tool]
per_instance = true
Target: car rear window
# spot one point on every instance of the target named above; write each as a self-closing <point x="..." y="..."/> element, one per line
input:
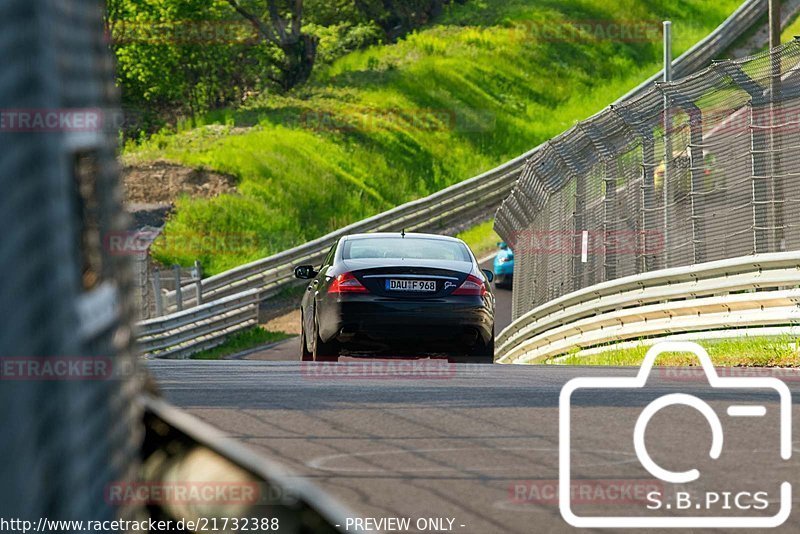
<point x="405" y="248"/>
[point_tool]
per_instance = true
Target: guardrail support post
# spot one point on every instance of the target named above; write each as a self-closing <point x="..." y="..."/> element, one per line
<point x="178" y="289"/>
<point x="198" y="281"/>
<point x="157" y="296"/>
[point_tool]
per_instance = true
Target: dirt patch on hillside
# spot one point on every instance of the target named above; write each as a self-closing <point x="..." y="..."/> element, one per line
<point x="162" y="182"/>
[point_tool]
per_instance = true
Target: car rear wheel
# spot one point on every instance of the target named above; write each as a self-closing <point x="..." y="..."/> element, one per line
<point x="503" y="281"/>
<point x="325" y="352"/>
<point x="305" y="354"/>
<point x="482" y="353"/>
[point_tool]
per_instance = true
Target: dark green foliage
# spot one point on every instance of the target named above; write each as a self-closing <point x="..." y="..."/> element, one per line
<point x="185" y="57"/>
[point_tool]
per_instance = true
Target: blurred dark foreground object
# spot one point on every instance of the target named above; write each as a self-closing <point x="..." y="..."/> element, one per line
<point x="78" y="433"/>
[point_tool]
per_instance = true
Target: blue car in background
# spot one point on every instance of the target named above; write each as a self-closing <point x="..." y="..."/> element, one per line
<point x="503" y="266"/>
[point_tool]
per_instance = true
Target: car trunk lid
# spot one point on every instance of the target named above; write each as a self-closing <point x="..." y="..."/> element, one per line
<point x="412" y="279"/>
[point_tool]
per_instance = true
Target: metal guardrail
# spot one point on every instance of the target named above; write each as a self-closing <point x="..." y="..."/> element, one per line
<point x="458" y="202"/>
<point x="181" y="334"/>
<point x="455" y="203"/>
<point x="177" y="445"/>
<point x="754" y="291"/>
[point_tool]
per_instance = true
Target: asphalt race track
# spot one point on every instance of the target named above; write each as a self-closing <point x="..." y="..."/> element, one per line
<point x="476" y="447"/>
<point x="474" y="443"/>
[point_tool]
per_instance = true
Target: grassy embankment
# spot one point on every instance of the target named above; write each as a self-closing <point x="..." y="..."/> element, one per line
<point x="392" y="123"/>
<point x="736" y="352"/>
<point x="241" y="341"/>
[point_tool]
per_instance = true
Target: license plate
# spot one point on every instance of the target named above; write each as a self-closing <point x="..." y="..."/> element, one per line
<point x="410" y="285"/>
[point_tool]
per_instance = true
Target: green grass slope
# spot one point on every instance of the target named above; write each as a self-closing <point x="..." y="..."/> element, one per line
<point x="389" y="124"/>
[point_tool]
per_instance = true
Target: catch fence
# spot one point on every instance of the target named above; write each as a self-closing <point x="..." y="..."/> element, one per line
<point x="704" y="168"/>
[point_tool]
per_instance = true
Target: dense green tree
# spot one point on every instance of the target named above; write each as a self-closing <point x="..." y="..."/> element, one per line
<point x="280" y="23"/>
<point x="183" y="57"/>
<point x="398" y="17"/>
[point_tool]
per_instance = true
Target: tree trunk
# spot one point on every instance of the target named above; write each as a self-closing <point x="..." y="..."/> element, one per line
<point x="300" y="57"/>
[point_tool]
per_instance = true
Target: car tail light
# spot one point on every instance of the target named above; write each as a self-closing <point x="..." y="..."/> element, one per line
<point x="471" y="286"/>
<point x="347" y="283"/>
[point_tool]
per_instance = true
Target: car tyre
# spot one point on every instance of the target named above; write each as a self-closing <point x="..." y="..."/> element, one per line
<point x="482" y="353"/>
<point x="503" y="281"/>
<point x="325" y="352"/>
<point x="305" y="354"/>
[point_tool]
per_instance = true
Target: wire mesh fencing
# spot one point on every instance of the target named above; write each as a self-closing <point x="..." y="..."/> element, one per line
<point x="70" y="376"/>
<point x="700" y="169"/>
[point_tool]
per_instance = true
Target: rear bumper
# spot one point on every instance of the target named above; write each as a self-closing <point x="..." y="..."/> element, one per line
<point x="450" y="320"/>
<point x="504" y="280"/>
<point x="504" y="269"/>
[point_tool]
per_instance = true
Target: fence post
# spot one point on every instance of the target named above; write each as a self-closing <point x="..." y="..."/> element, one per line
<point x="607" y="154"/>
<point x="157" y="292"/>
<point x="610" y="220"/>
<point x="648" y="203"/>
<point x="178" y="289"/>
<point x="667" y="137"/>
<point x="759" y="143"/>
<point x="143" y="286"/>
<point x="779" y="242"/>
<point x="198" y="283"/>
<point x="579" y="219"/>
<point x="580" y="227"/>
<point x="648" y="220"/>
<point x="696" y="170"/>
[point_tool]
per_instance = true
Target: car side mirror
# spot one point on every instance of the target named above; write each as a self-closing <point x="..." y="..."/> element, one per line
<point x="305" y="272"/>
<point x="489" y="275"/>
